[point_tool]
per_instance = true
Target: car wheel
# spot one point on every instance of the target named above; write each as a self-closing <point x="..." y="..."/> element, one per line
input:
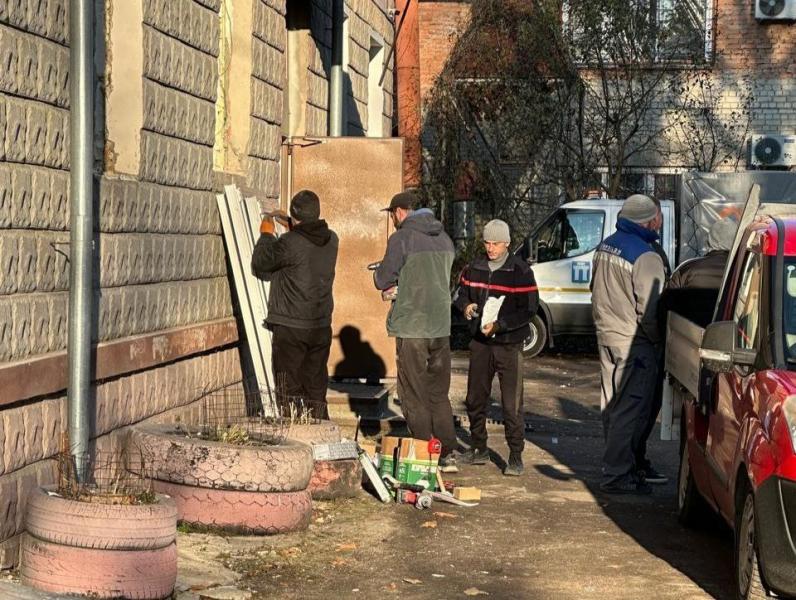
<point x="747" y="567"/>
<point x="537" y="339"/>
<point x="690" y="504"/>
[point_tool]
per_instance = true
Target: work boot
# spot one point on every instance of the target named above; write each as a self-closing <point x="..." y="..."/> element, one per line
<point x="650" y="475"/>
<point x="447" y="463"/>
<point x="474" y="456"/>
<point x="627" y="485"/>
<point x="514" y="468"/>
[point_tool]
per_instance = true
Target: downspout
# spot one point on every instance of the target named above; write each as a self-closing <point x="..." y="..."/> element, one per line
<point x="81" y="192"/>
<point x="336" y="90"/>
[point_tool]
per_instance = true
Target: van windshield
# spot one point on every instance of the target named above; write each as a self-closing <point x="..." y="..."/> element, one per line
<point x="569" y="233"/>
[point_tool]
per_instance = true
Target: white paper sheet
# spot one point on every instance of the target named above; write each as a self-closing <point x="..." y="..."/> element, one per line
<point x="491" y="309"/>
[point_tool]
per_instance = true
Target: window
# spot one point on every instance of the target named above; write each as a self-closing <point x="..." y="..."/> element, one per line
<point x="655" y="30"/>
<point x="569" y="233"/>
<point x="747" y="305"/>
<point x="789" y="307"/>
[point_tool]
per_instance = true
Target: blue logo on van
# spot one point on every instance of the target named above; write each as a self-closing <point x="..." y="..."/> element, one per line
<point x="581" y="272"/>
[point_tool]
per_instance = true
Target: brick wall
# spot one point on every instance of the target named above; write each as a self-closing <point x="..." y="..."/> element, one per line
<point x="440" y="25"/>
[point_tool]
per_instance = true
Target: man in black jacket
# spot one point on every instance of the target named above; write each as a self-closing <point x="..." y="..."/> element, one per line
<point x="300" y="266"/>
<point x="497" y="342"/>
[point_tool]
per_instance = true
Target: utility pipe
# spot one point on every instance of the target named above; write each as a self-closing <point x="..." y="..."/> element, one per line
<point x="336" y="89"/>
<point x="81" y="194"/>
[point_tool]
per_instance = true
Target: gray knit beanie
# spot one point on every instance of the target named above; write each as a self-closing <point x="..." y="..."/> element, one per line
<point x="639" y="208"/>
<point x="721" y="234"/>
<point x="497" y="231"/>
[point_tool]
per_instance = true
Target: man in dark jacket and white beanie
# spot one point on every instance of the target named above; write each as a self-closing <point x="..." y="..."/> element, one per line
<point x="300" y="265"/>
<point x="505" y="281"/>
<point x="628" y="276"/>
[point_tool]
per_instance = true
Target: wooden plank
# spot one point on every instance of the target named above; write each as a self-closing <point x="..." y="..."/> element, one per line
<point x="48" y="373"/>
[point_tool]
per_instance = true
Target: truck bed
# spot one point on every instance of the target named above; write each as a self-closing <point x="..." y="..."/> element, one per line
<point x="683" y="339"/>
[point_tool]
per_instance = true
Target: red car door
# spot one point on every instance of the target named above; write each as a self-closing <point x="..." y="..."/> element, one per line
<point x="732" y="390"/>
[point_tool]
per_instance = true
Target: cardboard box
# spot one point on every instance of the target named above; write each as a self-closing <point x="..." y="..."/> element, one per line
<point x="369" y="446"/>
<point x="409" y="461"/>
<point x="415" y="464"/>
<point x="387" y="455"/>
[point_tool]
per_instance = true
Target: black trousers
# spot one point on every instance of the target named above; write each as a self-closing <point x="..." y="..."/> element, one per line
<point x="486" y="360"/>
<point x="424" y="380"/>
<point x="300" y="358"/>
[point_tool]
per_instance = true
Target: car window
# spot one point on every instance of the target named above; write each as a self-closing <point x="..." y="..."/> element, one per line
<point x="583" y="231"/>
<point x="747" y="305"/>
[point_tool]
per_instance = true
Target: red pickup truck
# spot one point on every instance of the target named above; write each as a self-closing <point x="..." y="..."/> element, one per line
<point x="735" y="381"/>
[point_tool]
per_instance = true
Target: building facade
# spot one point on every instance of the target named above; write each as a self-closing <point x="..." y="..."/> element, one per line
<point x="743" y="89"/>
<point x="190" y="95"/>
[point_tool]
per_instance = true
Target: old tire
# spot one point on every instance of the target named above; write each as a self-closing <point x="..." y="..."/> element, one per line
<point x="691" y="507"/>
<point x="749" y="583"/>
<point x="537" y="339"/>
<point x="325" y="432"/>
<point x="170" y="456"/>
<point x="336" y="479"/>
<point x="135" y="574"/>
<point x="104" y="526"/>
<point x="259" y="513"/>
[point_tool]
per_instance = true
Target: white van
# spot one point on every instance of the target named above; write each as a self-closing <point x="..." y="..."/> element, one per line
<point x="561" y="250"/>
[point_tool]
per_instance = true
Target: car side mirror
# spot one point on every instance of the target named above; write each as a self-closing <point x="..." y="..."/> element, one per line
<point x="718" y="351"/>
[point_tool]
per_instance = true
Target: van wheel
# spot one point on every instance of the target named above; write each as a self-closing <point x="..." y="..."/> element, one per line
<point x="747" y="567"/>
<point x="691" y="507"/>
<point x="537" y="340"/>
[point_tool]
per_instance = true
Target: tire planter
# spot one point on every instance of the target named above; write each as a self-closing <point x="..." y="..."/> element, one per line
<point x="101" y="526"/>
<point x="325" y="432"/>
<point x="170" y="456"/>
<point x="336" y="479"/>
<point x="135" y="574"/>
<point x="239" y="511"/>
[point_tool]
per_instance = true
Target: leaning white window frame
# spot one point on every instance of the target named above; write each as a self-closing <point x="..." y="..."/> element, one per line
<point x="709" y="9"/>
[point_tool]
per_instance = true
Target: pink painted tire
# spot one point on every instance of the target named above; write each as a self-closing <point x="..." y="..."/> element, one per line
<point x="336" y="479"/>
<point x="324" y="432"/>
<point x="104" y="526"/>
<point x="170" y="456"/>
<point x="259" y="513"/>
<point x="134" y="574"/>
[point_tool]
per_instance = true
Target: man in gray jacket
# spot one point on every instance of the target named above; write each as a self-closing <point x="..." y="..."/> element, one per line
<point x="416" y="270"/>
<point x="626" y="285"/>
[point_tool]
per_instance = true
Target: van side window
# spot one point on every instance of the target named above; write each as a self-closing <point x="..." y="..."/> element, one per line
<point x="747" y="305"/>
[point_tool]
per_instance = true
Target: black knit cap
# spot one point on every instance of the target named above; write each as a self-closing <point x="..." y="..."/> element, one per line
<point x="405" y="200"/>
<point x="305" y="206"/>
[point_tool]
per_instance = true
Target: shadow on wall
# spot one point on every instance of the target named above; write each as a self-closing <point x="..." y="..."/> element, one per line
<point x="359" y="359"/>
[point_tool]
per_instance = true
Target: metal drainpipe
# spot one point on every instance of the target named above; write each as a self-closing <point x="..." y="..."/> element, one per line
<point x="336" y="81"/>
<point x="81" y="190"/>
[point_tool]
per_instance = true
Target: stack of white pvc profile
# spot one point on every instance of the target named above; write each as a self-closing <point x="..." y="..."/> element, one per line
<point x="240" y="219"/>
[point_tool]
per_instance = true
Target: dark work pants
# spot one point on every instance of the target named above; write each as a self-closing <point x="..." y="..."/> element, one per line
<point x="300" y="359"/>
<point x="628" y="383"/>
<point x="505" y="360"/>
<point x="424" y="380"/>
<point x="657" y="401"/>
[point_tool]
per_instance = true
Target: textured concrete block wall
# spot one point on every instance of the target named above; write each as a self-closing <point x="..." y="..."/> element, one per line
<point x="269" y="79"/>
<point x="368" y="17"/>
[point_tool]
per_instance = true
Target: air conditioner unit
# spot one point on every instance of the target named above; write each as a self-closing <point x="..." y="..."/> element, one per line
<point x="773" y="151"/>
<point x="775" y="10"/>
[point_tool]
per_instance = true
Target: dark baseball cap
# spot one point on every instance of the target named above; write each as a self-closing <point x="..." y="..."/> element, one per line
<point x="405" y="200"/>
